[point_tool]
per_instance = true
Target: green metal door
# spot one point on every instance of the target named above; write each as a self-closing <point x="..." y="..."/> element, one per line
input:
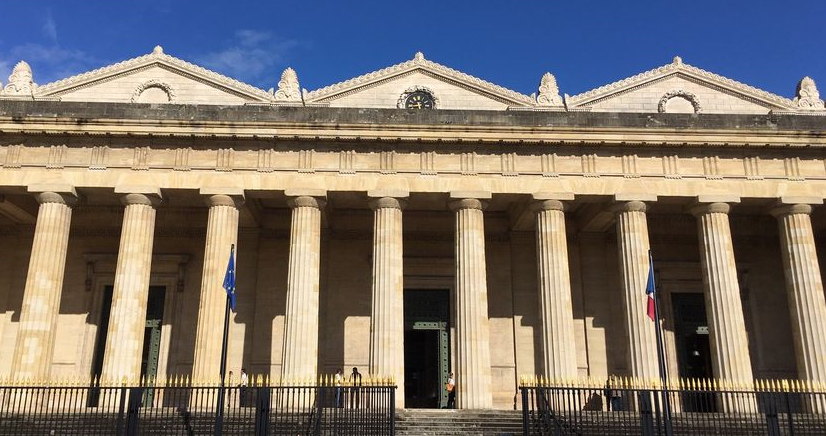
<point x="152" y="338"/>
<point x="429" y="310"/>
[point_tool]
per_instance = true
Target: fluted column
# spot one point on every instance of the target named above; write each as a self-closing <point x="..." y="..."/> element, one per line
<point x="633" y="246"/>
<point x="387" y="310"/>
<point x="300" y="356"/>
<point x="555" y="309"/>
<point x="804" y="287"/>
<point x="473" y="375"/>
<point x="127" y="319"/>
<point x="727" y="328"/>
<point x="222" y="233"/>
<point x="44" y="284"/>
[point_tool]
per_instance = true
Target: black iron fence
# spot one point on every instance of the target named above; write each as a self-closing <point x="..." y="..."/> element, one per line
<point x="177" y="408"/>
<point x="688" y="407"/>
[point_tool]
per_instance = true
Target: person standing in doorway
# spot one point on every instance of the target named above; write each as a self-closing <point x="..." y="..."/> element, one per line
<point x="243" y="387"/>
<point x="355" y="382"/>
<point x="450" y="386"/>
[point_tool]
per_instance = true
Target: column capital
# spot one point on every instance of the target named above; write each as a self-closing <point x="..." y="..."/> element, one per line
<point x="56" y="197"/>
<point x="467" y="203"/>
<point x="54" y="193"/>
<point x="146" y="199"/>
<point x="705" y="208"/>
<point x="629" y="206"/>
<point x="791" y="209"/>
<point x="235" y="201"/>
<point x="306" y="201"/>
<point x="387" y="203"/>
<point x="543" y="205"/>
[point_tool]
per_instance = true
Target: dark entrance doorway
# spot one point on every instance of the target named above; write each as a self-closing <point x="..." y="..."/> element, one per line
<point x="151" y="339"/>
<point x="426" y="347"/>
<point x="693" y="346"/>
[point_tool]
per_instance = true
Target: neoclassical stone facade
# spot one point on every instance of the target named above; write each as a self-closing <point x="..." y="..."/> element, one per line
<point x="410" y="222"/>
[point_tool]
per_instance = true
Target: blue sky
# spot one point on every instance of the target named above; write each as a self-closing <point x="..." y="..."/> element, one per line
<point x="768" y="44"/>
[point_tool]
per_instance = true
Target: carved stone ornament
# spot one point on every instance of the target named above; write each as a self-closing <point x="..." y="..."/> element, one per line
<point x="288" y="87"/>
<point x="679" y="93"/>
<point x="548" y="91"/>
<point x="403" y="98"/>
<point x="21" y="82"/>
<point x="165" y="87"/>
<point x="808" y="96"/>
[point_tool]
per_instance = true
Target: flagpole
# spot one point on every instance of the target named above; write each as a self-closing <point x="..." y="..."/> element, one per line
<point x="219" y="414"/>
<point x="660" y="350"/>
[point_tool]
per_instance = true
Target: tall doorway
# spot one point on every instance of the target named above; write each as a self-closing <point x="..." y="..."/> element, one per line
<point x="151" y="340"/>
<point x="691" y="337"/>
<point x="426" y="347"/>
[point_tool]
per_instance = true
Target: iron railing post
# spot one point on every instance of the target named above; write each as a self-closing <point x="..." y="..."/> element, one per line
<point x="121" y="411"/>
<point x="135" y="397"/>
<point x="525" y="429"/>
<point x="319" y="404"/>
<point x="646" y="417"/>
<point x="789" y="413"/>
<point x="262" y="412"/>
<point x="772" y="421"/>
<point x="392" y="406"/>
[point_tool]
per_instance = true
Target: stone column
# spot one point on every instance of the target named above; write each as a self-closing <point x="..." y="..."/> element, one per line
<point x="633" y="246"/>
<point x="300" y="356"/>
<point x="727" y="328"/>
<point x="44" y="284"/>
<point x="387" y="309"/>
<point x="555" y="309"/>
<point x="473" y="375"/>
<point x="804" y="286"/>
<point x="222" y="233"/>
<point x="127" y="319"/>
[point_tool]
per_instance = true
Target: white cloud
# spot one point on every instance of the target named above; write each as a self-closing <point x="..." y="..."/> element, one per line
<point x="49" y="27"/>
<point x="48" y="62"/>
<point x="252" y="55"/>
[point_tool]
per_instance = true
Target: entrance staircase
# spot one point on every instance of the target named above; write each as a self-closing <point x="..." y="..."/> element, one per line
<point x="444" y="422"/>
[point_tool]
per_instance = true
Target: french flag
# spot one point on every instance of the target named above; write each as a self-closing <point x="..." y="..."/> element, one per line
<point x="650" y="288"/>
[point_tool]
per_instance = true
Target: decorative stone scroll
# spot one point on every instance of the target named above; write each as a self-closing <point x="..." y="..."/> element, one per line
<point x="548" y="92"/>
<point x="153" y="83"/>
<point x="289" y="91"/>
<point x="682" y="94"/>
<point x="808" y="97"/>
<point x="21" y="82"/>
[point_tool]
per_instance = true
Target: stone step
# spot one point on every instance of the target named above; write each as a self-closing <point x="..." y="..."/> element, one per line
<point x="434" y="422"/>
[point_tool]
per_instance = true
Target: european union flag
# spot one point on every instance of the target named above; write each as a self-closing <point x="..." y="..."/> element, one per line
<point x="229" y="278"/>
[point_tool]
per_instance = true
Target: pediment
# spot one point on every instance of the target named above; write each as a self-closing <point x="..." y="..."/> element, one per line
<point x="153" y="78"/>
<point x="386" y="88"/>
<point x="679" y="87"/>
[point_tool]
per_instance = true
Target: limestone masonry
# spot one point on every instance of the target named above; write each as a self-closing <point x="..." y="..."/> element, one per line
<point x="412" y="222"/>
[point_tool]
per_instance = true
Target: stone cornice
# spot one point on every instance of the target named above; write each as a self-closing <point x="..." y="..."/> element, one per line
<point x="388" y="125"/>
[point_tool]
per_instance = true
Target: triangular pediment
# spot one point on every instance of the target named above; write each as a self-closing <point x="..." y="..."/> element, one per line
<point x="154" y="78"/>
<point x="653" y="90"/>
<point x="385" y="88"/>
